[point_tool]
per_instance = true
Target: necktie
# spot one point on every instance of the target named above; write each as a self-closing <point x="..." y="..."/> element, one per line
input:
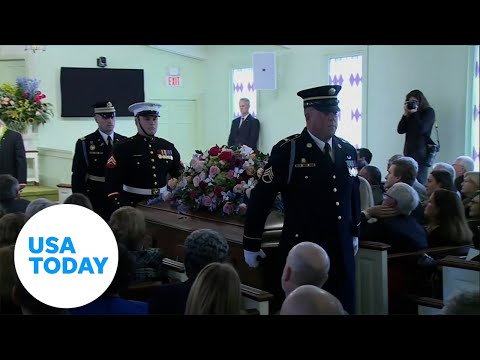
<point x="326" y="151"/>
<point x="241" y="122"/>
<point x="109" y="141"/>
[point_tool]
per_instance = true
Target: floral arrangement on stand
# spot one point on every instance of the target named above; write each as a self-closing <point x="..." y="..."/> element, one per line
<point x="218" y="180"/>
<point x="22" y="105"/>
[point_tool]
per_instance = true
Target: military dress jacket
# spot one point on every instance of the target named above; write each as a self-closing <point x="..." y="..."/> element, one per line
<point x="140" y="167"/>
<point x="321" y="204"/>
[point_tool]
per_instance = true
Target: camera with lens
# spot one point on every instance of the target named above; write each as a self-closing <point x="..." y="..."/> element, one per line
<point x="412" y="105"/>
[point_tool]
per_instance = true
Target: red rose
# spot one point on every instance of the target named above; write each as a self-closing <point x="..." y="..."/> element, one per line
<point x="214" y="151"/>
<point x="225" y="155"/>
<point x="202" y="185"/>
<point x="218" y="191"/>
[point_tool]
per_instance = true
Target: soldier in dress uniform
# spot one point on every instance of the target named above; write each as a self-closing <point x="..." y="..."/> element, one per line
<point x="90" y="158"/>
<point x="316" y="173"/>
<point x="140" y="167"/>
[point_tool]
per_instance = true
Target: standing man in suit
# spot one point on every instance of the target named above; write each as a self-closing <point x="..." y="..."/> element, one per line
<point x="316" y="173"/>
<point x="90" y="159"/>
<point x="245" y="129"/>
<point x="13" y="160"/>
<point x="141" y="167"/>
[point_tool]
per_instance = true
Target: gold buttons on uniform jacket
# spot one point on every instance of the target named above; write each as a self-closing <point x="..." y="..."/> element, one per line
<point x="153" y="167"/>
<point x="153" y="160"/>
<point x="154" y="175"/>
<point x="151" y="152"/>
<point x="155" y="183"/>
<point x="296" y="235"/>
<point x="339" y="218"/>
<point x="337" y="203"/>
<point x="306" y="176"/>
<point x="334" y="177"/>
<point x="334" y="189"/>
<point x="138" y="163"/>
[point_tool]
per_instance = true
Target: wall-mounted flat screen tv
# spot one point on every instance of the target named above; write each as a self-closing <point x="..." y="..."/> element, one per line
<point x="83" y="87"/>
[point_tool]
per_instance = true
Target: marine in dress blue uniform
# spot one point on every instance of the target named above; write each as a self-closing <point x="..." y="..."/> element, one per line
<point x="320" y="191"/>
<point x="140" y="167"/>
<point x="91" y="154"/>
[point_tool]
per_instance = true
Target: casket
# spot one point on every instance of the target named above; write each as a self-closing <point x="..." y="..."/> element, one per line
<point x="169" y="230"/>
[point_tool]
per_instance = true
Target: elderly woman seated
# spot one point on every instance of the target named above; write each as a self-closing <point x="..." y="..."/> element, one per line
<point x="446" y="220"/>
<point x="470" y="189"/>
<point x="391" y="222"/>
<point x="128" y="226"/>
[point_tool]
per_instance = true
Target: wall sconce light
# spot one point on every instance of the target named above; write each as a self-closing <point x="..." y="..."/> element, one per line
<point x="35" y="48"/>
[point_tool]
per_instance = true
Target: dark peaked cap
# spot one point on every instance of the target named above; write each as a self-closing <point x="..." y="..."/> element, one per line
<point x="322" y="98"/>
<point x="104" y="108"/>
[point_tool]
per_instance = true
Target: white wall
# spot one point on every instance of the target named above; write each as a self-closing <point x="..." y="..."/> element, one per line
<point x="440" y="71"/>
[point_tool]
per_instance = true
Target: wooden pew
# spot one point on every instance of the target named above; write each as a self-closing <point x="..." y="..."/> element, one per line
<point x="371" y="289"/>
<point x="385" y="281"/>
<point x="255" y="301"/>
<point x="458" y="275"/>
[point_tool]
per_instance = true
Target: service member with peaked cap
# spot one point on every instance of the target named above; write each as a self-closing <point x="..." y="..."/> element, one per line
<point x="140" y="167"/>
<point x="90" y="158"/>
<point x="315" y="171"/>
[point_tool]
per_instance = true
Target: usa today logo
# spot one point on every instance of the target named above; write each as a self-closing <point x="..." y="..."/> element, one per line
<point x="66" y="256"/>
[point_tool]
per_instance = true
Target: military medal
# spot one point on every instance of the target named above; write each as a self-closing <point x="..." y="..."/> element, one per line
<point x="352" y="169"/>
<point x="92" y="147"/>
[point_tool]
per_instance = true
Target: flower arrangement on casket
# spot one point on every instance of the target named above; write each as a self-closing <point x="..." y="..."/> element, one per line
<point x="218" y="180"/>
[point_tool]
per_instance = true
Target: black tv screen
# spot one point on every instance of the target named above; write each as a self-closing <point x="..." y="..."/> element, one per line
<point x="83" y="87"/>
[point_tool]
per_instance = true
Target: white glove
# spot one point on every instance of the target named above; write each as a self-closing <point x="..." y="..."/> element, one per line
<point x="355" y="245"/>
<point x="251" y="257"/>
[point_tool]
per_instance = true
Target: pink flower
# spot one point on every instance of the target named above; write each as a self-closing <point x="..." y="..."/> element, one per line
<point x="242" y="209"/>
<point x="230" y="174"/>
<point x="206" y="201"/>
<point x="199" y="166"/>
<point x="214" y="171"/>
<point x="196" y="181"/>
<point x="228" y="208"/>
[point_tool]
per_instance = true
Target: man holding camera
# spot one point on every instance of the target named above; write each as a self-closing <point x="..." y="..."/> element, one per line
<point x="417" y="123"/>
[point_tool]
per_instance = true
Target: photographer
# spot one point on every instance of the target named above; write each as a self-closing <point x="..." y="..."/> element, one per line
<point x="417" y="122"/>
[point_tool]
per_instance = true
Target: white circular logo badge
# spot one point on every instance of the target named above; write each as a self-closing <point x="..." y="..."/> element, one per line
<point x="66" y="256"/>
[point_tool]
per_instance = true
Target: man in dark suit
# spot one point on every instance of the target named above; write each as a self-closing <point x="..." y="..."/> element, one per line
<point x="316" y="173"/>
<point x="245" y="129"/>
<point x="12" y="155"/>
<point x="10" y="200"/>
<point x="141" y="166"/>
<point x="202" y="247"/>
<point x="90" y="159"/>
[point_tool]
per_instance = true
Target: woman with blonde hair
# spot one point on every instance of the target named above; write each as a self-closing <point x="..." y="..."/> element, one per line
<point x="446" y="220"/>
<point x="215" y="291"/>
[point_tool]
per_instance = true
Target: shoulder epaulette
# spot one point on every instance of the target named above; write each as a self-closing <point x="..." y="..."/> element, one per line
<point x="343" y="140"/>
<point x="82" y="138"/>
<point x="288" y="139"/>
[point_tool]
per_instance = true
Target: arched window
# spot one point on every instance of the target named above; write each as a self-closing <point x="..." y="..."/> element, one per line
<point x="348" y="72"/>
<point x="243" y="87"/>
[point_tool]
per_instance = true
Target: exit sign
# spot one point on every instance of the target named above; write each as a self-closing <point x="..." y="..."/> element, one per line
<point x="174" y="81"/>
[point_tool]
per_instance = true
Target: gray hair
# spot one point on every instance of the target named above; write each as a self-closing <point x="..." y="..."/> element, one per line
<point x="37" y="205"/>
<point x="464" y="303"/>
<point x="406" y="196"/>
<point x="467" y="162"/>
<point x="445" y="166"/>
<point x="202" y="247"/>
<point x="245" y="100"/>
<point x="8" y="187"/>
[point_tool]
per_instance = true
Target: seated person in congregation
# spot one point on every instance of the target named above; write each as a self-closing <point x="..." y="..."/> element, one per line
<point x="392" y="222"/>
<point x="110" y="302"/>
<point x="311" y="300"/>
<point x="128" y="226"/>
<point x="446" y="222"/>
<point x="202" y="247"/>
